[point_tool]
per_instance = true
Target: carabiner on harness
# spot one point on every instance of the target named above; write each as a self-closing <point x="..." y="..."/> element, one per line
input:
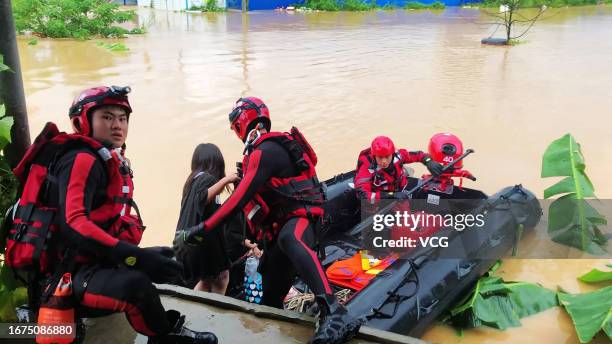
<point x="378" y="180"/>
<point x="250" y="142"/>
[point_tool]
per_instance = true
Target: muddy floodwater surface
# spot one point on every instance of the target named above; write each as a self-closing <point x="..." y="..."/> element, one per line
<point x="344" y="78"/>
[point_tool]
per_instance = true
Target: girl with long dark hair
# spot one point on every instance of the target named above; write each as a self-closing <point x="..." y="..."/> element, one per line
<point x="206" y="266"/>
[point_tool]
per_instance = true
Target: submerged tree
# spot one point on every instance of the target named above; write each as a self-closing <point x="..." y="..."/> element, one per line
<point x="509" y="16"/>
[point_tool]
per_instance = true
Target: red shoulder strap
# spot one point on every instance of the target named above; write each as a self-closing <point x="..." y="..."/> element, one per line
<point x="297" y="135"/>
<point x="50" y="135"/>
<point x="46" y="135"/>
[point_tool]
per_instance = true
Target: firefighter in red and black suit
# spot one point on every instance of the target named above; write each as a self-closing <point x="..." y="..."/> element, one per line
<point x="98" y="234"/>
<point x="380" y="172"/>
<point x="282" y="198"/>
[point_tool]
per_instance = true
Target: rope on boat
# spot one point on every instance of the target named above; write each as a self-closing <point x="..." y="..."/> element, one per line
<point x="301" y="301"/>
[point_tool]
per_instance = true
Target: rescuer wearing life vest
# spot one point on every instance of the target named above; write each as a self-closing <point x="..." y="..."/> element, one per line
<point x="282" y="200"/>
<point x="380" y="172"/>
<point x="87" y="182"/>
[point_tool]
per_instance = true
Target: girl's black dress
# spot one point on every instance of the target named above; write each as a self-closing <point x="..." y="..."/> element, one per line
<point x="209" y="259"/>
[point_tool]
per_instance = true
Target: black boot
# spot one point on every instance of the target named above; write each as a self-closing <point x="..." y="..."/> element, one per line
<point x="179" y="334"/>
<point x="334" y="324"/>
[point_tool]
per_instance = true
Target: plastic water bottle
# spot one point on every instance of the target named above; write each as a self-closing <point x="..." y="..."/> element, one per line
<point x="253" y="289"/>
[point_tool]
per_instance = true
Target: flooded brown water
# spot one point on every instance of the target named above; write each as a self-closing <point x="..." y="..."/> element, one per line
<point x="344" y="78"/>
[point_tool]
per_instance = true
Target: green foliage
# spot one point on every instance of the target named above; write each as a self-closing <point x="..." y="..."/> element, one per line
<point x="10" y="298"/>
<point x="211" y="6"/>
<point x="363" y="5"/>
<point x="33" y="41"/>
<point x="3" y="67"/>
<point x="70" y="18"/>
<point x="495" y="266"/>
<point x="539" y="3"/>
<point x="414" y="5"/>
<point x="114" y="47"/>
<point x="5" y="128"/>
<point x="8" y="194"/>
<point x="138" y="31"/>
<point x="596" y="276"/>
<point x="571" y="219"/>
<point x="8" y="183"/>
<point x="356" y="5"/>
<point x="500" y="304"/>
<point x="12" y="294"/>
<point x="323" y="5"/>
<point x="590" y="312"/>
<point x="343" y="5"/>
<point x="388" y="7"/>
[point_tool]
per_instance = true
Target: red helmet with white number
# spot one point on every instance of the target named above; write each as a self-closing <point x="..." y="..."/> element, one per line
<point x="88" y="100"/>
<point x="247" y="111"/>
<point x="445" y="148"/>
<point x="382" y="146"/>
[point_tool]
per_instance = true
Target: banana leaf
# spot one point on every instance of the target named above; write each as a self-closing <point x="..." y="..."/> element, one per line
<point x="572" y="220"/>
<point x="590" y="312"/>
<point x="500" y="304"/>
<point x="5" y="128"/>
<point x="596" y="276"/>
<point x="3" y="67"/>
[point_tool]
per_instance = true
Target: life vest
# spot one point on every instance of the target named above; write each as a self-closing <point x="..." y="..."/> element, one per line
<point x="389" y="179"/>
<point x="304" y="190"/>
<point x="30" y="245"/>
<point x="357" y="272"/>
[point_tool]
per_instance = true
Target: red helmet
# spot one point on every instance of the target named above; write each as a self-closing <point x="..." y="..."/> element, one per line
<point x="246" y="111"/>
<point x="84" y="104"/>
<point x="445" y="148"/>
<point x="382" y="146"/>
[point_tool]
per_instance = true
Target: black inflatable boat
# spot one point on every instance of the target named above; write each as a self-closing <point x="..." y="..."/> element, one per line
<point x="413" y="291"/>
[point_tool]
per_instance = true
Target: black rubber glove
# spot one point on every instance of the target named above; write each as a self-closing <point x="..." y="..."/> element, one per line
<point x="434" y="167"/>
<point x="163" y="250"/>
<point x="156" y="262"/>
